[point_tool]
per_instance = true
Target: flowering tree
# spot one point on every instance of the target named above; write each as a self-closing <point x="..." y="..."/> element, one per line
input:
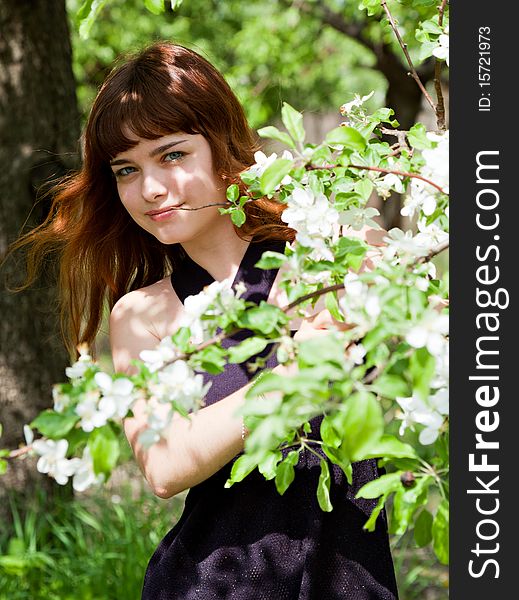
<point x="380" y="381"/>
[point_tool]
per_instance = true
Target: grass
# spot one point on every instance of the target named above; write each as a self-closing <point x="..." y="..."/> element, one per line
<point x="94" y="547"/>
<point x="97" y="546"/>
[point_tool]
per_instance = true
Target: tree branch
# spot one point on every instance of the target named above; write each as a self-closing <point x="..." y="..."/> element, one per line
<point x="413" y="73"/>
<point x="440" y="103"/>
<point x="378" y="170"/>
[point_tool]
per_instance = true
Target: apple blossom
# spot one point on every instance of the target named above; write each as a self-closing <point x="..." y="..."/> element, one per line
<point x="53" y="459"/>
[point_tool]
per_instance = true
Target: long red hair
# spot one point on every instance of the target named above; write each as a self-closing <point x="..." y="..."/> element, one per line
<point x="103" y="253"/>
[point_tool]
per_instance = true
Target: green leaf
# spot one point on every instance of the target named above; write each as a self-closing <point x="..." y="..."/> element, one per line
<point x="372" y="6"/>
<point x="385" y="484"/>
<point x="211" y="359"/>
<point x="244" y="465"/>
<point x="3" y="466"/>
<point x="440" y="532"/>
<point x="364" y="187"/>
<point x="155" y="6"/>
<point x="369" y="525"/>
<point x="273" y="174"/>
<point x="268" y="466"/>
<point x="104" y="447"/>
<point x="431" y="26"/>
<point x="271" y="260"/>
<point x="238" y="217"/>
<point x="273" y="133"/>
<point x="332" y="304"/>
<point x="181" y="338"/>
<point x="247" y="348"/>
<point x="175" y="4"/>
<point x="417" y="137"/>
<point x="426" y="49"/>
<point x="405" y="503"/>
<point x="87" y="15"/>
<point x="233" y="193"/>
<point x="321" y="349"/>
<point x="423" y="528"/>
<point x="353" y="246"/>
<point x="361" y="424"/>
<point x="264" y="318"/>
<point x="346" y="136"/>
<point x="293" y="121"/>
<point x="390" y="386"/>
<point x="323" y="488"/>
<point x="390" y="446"/>
<point x="54" y="425"/>
<point x="285" y="471"/>
<point x="421" y="368"/>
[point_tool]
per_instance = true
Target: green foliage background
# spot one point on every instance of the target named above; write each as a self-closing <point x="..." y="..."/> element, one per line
<point x="268" y="53"/>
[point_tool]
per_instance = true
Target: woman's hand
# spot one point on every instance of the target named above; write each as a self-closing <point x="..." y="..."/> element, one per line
<point x="319" y="324"/>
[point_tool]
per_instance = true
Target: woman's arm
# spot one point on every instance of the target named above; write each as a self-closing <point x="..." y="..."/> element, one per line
<point x="193" y="449"/>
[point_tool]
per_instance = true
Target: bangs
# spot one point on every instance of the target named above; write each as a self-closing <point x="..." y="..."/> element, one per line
<point x="145" y="107"/>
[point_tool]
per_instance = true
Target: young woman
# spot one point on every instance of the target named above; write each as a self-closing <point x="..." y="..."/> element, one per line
<point x="165" y="138"/>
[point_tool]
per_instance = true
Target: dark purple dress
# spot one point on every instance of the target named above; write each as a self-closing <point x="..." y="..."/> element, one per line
<point x="248" y="542"/>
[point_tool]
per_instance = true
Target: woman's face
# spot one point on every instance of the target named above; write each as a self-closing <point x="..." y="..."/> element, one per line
<point x="156" y="176"/>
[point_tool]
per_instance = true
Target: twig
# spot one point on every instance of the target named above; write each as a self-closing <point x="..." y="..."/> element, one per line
<point x="379" y="170"/>
<point x="440" y="104"/>
<point x="439" y="248"/>
<point x="403" y="45"/>
<point x="200" y="207"/>
<point x="18" y="452"/>
<point x="400" y="134"/>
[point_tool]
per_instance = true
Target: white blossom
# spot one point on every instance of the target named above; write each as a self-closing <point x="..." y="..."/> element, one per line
<point x="360" y="304"/>
<point x="179" y="383"/>
<point x="430" y="235"/>
<point x="314" y="219"/>
<point x="156" y="426"/>
<point x="430" y="414"/>
<point x="263" y="162"/>
<point x="442" y="49"/>
<point x="357" y="218"/>
<point x="84" y="362"/>
<point x="390" y="182"/>
<point x="400" y="243"/>
<point x="357" y="354"/>
<point x="28" y="435"/>
<point x="148" y="437"/>
<point x="61" y="400"/>
<point x="165" y="352"/>
<point x="84" y="476"/>
<point x="92" y="415"/>
<point x="53" y="459"/>
<point x="441" y="372"/>
<point x="197" y="305"/>
<point x="117" y="395"/>
<point x="422" y="195"/>
<point x="357" y="102"/>
<point x="429" y="333"/>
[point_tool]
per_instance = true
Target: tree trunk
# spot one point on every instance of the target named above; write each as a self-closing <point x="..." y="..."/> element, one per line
<point x="39" y="131"/>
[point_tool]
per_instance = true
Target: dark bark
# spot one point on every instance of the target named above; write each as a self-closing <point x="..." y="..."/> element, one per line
<point x="39" y="131"/>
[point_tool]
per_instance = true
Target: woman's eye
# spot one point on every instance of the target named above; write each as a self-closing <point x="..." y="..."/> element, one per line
<point x="124" y="171"/>
<point x="171" y="156"/>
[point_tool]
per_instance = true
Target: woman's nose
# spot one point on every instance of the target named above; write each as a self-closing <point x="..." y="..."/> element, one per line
<point x="153" y="188"/>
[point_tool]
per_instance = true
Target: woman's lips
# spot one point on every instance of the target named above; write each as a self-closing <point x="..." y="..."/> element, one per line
<point x="163" y="213"/>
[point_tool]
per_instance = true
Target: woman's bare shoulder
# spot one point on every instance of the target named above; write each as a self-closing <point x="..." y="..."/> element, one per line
<point x="141" y="318"/>
<point x="142" y="300"/>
